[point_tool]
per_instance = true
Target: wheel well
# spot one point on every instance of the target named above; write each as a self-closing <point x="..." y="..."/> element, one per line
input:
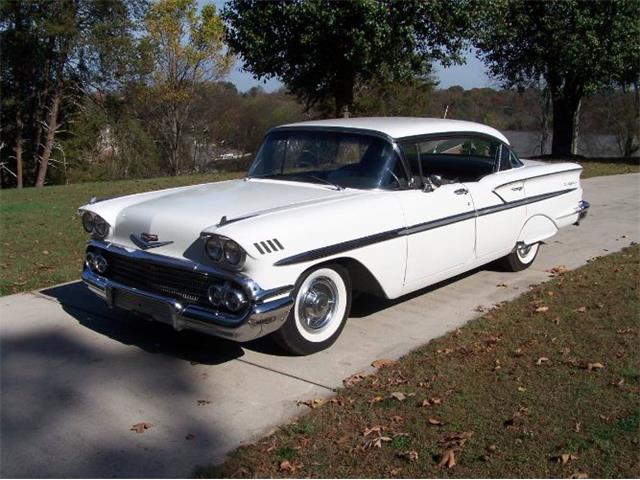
<point x="362" y="280"/>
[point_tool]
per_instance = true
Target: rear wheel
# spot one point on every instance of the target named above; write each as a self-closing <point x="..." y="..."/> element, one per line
<point x="320" y="311"/>
<point x="520" y="258"/>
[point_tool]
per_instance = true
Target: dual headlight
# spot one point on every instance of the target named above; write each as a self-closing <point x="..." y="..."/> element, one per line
<point x="225" y="251"/>
<point x="95" y="225"/>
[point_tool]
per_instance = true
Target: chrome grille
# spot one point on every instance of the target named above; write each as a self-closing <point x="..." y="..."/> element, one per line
<point x="190" y="287"/>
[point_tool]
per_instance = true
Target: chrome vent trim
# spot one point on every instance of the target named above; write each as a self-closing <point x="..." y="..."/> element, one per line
<point x="268" y="246"/>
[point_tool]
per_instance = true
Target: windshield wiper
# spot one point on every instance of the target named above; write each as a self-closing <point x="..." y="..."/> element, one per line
<point x="321" y="180"/>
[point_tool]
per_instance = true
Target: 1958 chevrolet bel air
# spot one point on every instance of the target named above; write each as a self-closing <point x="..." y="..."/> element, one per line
<point x="331" y="207"/>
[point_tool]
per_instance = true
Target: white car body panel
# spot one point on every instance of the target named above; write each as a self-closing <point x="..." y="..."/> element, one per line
<point x="404" y="239"/>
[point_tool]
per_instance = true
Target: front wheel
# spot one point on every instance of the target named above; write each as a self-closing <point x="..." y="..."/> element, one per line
<point x="520" y="258"/>
<point x="320" y="311"/>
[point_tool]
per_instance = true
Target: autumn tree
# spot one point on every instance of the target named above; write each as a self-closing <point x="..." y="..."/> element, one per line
<point x="323" y="50"/>
<point x="576" y="46"/>
<point x="186" y="48"/>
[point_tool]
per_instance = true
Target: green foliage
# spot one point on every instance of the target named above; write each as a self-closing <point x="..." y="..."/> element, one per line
<point x="576" y="46"/>
<point x="324" y="50"/>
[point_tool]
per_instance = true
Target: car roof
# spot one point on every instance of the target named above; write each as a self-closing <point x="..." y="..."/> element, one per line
<point x="400" y="127"/>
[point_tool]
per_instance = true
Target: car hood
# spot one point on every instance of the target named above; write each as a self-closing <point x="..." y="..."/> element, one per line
<point x="180" y="215"/>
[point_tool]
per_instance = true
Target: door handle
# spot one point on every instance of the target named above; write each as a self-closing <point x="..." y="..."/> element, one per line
<point x="461" y="191"/>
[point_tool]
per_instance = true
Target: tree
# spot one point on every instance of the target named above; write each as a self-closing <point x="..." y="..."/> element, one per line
<point x="53" y="52"/>
<point x="576" y="46"/>
<point x="323" y="50"/>
<point x="187" y="48"/>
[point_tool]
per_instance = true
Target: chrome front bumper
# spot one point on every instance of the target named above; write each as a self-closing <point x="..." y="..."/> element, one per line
<point x="263" y="316"/>
<point x="582" y="209"/>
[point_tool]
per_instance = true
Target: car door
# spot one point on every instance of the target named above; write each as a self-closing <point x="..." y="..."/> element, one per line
<point x="499" y="199"/>
<point x="440" y="228"/>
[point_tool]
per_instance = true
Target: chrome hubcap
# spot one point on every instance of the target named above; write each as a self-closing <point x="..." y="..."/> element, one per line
<point x="523" y="250"/>
<point x="317" y="304"/>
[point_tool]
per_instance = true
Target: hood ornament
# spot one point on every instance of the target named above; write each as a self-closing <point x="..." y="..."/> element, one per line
<point x="148" y="240"/>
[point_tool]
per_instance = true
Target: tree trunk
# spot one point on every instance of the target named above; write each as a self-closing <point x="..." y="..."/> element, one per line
<point x="52" y="125"/>
<point x="18" y="149"/>
<point x="565" y="124"/>
<point x="343" y="96"/>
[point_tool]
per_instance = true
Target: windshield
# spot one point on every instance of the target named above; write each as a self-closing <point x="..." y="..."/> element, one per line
<point x="344" y="160"/>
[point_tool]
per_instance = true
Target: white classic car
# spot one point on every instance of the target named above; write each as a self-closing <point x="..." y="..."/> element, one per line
<point x="380" y="205"/>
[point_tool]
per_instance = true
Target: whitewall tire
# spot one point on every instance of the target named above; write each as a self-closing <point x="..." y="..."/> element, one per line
<point x="521" y="257"/>
<point x="320" y="311"/>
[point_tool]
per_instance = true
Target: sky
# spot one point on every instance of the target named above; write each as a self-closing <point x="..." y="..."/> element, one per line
<point x="470" y="75"/>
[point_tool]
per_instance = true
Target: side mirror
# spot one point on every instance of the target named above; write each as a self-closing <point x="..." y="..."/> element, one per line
<point x="432" y="182"/>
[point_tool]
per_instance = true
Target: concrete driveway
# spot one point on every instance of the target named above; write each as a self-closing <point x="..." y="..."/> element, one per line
<point x="76" y="376"/>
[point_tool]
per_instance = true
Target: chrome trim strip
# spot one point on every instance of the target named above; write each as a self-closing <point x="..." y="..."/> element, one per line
<point x="418" y="228"/>
<point x="538" y="176"/>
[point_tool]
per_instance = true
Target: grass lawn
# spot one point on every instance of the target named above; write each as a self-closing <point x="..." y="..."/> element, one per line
<point x="41" y="237"/>
<point x="42" y="241"/>
<point x="545" y="386"/>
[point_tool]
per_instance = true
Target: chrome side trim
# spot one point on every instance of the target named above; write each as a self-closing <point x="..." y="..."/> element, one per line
<point x="413" y="229"/>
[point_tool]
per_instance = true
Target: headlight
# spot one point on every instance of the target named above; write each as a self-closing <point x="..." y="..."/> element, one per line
<point x="214" y="248"/>
<point x="87" y="221"/>
<point x="95" y="224"/>
<point x="225" y="251"/>
<point x="233" y="254"/>
<point x="100" y="227"/>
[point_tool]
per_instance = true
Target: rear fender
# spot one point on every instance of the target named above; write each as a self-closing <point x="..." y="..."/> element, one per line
<point x="537" y="229"/>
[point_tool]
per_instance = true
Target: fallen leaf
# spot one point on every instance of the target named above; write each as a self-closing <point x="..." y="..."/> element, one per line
<point x="492" y="448"/>
<point x="141" y="427"/>
<point x="396" y="419"/>
<point x="435" y="400"/>
<point x="313" y="403"/>
<point x="480" y="309"/>
<point x="581" y="309"/>
<point x="203" y="402"/>
<point x="45" y="252"/>
<point x="398" y="396"/>
<point x="541" y="309"/>
<point x="369" y="431"/>
<point x="518" y="352"/>
<point x="578" y="427"/>
<point x="375" y="399"/>
<point x="579" y="475"/>
<point x="376" y="442"/>
<point x="383" y="362"/>
<point x="541" y="360"/>
<point x="447" y="459"/>
<point x="434" y="421"/>
<point x="594" y="366"/>
<point x="453" y="440"/>
<point x="622" y="331"/>
<point x="566" y="458"/>
<point x="504" y="285"/>
<point x="558" y="270"/>
<point x="522" y="389"/>
<point x="353" y="379"/>
<point x="287" y="466"/>
<point x="409" y="455"/>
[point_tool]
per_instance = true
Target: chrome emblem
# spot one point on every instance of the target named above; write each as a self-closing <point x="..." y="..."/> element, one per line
<point x="148" y="240"/>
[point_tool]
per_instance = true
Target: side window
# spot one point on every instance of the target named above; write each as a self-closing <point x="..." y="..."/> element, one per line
<point x="411" y="153"/>
<point x="505" y="158"/>
<point x="459" y="159"/>
<point x="514" y="160"/>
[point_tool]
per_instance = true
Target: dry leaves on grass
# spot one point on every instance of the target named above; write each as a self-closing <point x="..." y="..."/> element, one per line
<point x="427" y="402"/>
<point x="383" y="362"/>
<point x="580" y="475"/>
<point x="141" y="427"/>
<point x="581" y="309"/>
<point x="565" y="458"/>
<point x="409" y="455"/>
<point x="517" y="417"/>
<point x="353" y="379"/>
<point x="434" y="421"/>
<point x="594" y="366"/>
<point x="447" y="459"/>
<point x="455" y="440"/>
<point x="541" y="309"/>
<point x="289" y="467"/>
<point x="401" y="396"/>
<point x="313" y="403"/>
<point x="542" y="360"/>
